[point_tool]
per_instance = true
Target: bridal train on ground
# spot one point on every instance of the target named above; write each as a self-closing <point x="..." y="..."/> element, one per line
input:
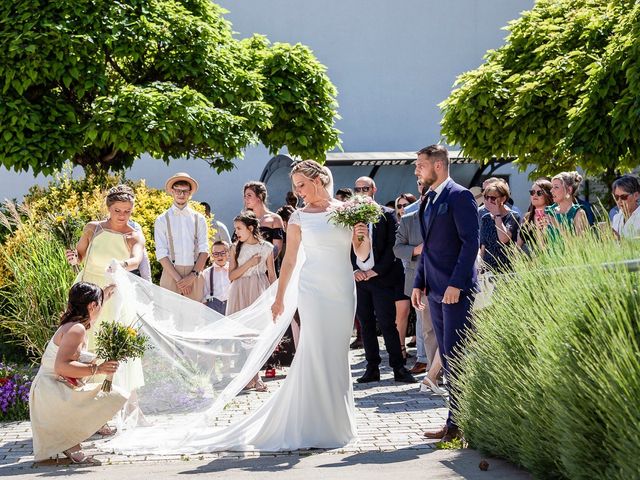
<point x="201" y="360"/>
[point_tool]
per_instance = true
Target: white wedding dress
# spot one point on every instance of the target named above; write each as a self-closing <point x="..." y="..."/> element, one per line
<point x="314" y="406"/>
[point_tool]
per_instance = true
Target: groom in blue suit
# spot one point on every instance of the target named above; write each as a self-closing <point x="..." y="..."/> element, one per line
<point x="446" y="271"/>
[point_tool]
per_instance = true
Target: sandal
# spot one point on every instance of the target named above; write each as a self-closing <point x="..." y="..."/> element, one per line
<point x="260" y="386"/>
<point x="107" y="431"/>
<point x="78" y="457"/>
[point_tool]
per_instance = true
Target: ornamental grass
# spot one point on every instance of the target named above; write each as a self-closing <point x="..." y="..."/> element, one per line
<point x="550" y="378"/>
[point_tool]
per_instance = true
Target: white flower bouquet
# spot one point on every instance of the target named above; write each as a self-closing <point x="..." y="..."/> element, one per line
<point x="358" y="209"/>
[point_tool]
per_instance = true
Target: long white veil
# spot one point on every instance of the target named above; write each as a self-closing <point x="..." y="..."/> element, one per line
<point x="199" y="360"/>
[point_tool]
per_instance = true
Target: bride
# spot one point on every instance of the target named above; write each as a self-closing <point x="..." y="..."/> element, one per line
<point x="314" y="406"/>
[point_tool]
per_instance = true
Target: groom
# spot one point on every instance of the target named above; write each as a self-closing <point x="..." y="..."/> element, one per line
<point x="446" y="271"/>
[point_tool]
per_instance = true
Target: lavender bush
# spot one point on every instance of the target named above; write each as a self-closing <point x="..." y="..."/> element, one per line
<point x="15" y="383"/>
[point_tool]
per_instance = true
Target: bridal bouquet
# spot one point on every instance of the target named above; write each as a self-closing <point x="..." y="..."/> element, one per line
<point x="118" y="342"/>
<point x="358" y="209"/>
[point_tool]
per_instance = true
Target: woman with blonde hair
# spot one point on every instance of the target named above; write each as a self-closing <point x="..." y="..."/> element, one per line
<point x="100" y="243"/>
<point x="565" y="214"/>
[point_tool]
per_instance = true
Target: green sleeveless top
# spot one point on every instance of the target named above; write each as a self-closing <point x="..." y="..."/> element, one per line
<point x="564" y="220"/>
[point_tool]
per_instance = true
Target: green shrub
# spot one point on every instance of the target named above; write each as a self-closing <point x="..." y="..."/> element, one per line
<point x="36" y="292"/>
<point x="551" y="374"/>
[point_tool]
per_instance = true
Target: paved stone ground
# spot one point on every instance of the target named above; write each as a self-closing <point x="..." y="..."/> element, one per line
<point x="390" y="416"/>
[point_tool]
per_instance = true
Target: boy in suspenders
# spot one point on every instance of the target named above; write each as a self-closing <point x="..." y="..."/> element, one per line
<point x="181" y="240"/>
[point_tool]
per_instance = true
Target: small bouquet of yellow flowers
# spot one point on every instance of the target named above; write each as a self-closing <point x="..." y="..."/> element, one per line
<point x="358" y="209"/>
<point x="118" y="342"/>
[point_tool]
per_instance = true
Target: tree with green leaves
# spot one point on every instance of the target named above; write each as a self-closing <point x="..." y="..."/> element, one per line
<point x="564" y="91"/>
<point x="100" y="82"/>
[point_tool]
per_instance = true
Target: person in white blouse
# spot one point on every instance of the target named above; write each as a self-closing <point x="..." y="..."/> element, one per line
<point x="216" y="278"/>
<point x="626" y="191"/>
<point x="181" y="236"/>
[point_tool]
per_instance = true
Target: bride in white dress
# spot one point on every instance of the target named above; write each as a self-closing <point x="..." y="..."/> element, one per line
<point x="314" y="406"/>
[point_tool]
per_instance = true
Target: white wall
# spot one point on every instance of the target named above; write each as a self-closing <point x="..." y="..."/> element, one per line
<point x="392" y="63"/>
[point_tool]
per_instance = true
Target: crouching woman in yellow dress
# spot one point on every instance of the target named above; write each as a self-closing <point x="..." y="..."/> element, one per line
<point x="100" y="243"/>
<point x="64" y="410"/>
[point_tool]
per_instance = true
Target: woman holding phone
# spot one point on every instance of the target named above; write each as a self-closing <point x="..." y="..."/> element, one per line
<point x="535" y="219"/>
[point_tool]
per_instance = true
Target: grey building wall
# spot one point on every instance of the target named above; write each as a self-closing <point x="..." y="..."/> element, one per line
<point x="392" y="63"/>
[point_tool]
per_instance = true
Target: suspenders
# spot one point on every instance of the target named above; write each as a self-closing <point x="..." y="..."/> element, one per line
<point x="172" y="253"/>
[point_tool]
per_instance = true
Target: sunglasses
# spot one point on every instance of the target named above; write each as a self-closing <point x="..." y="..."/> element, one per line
<point x="361" y="189"/>
<point x="622" y="197"/>
<point x="401" y="205"/>
<point x="219" y="254"/>
<point x="490" y="198"/>
<point x="537" y="193"/>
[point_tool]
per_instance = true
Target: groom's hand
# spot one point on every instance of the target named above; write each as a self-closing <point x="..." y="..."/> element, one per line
<point x="416" y="299"/>
<point x="451" y="295"/>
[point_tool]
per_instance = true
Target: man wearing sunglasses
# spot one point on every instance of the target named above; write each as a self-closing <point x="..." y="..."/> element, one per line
<point x="181" y="236"/>
<point x="376" y="279"/>
<point x="446" y="271"/>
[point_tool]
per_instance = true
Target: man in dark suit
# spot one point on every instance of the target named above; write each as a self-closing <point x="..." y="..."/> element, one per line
<point x="447" y="271"/>
<point x="375" y="288"/>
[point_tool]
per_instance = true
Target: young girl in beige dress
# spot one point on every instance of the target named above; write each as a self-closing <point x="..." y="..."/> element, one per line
<point x="251" y="270"/>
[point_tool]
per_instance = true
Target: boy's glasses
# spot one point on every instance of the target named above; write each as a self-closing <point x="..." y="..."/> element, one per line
<point x="219" y="254"/>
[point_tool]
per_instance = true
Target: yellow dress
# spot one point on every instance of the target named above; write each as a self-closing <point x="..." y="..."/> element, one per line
<point x="62" y="417"/>
<point x="105" y="246"/>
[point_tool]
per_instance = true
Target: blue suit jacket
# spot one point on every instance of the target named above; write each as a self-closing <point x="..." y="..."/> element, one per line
<point x="451" y="242"/>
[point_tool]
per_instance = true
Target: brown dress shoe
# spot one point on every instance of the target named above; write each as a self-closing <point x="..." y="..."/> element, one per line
<point x="452" y="434"/>
<point x="418" y="367"/>
<point x="436" y="434"/>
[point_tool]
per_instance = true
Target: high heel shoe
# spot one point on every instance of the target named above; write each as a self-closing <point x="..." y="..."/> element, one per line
<point x="270" y="372"/>
<point x="427" y="386"/>
<point x="80" y="458"/>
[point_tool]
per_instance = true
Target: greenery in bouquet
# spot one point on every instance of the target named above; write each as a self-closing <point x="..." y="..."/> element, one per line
<point x="118" y="342"/>
<point x="358" y="209"/>
<point x="15" y="383"/>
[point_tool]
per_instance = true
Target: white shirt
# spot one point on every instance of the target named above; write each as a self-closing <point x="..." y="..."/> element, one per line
<point x="370" y="262"/>
<point x="439" y="189"/>
<point x="221" y="282"/>
<point x="630" y="228"/>
<point x="183" y="231"/>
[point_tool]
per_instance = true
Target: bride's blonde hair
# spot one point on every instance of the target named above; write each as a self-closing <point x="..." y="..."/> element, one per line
<point x="311" y="169"/>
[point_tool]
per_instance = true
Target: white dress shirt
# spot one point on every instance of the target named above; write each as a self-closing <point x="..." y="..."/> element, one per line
<point x="439" y="189"/>
<point x="183" y="230"/>
<point x="221" y="282"/>
<point x="370" y="262"/>
<point x="630" y="228"/>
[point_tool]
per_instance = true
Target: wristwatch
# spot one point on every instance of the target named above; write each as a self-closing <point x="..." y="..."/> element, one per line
<point x="195" y="272"/>
<point x="125" y="264"/>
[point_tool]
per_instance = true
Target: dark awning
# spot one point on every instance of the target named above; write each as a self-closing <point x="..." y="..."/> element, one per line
<point x="381" y="159"/>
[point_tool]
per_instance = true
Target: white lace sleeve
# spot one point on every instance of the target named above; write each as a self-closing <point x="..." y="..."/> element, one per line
<point x="295" y="218"/>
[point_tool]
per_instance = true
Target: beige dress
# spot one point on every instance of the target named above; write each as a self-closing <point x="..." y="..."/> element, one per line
<point x="62" y="417"/>
<point x="105" y="246"/>
<point x="246" y="289"/>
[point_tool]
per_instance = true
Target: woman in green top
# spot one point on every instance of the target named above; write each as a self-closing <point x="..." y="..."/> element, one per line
<point x="565" y="214"/>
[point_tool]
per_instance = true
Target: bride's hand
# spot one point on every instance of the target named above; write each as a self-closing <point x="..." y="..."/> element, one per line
<point x="277" y="309"/>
